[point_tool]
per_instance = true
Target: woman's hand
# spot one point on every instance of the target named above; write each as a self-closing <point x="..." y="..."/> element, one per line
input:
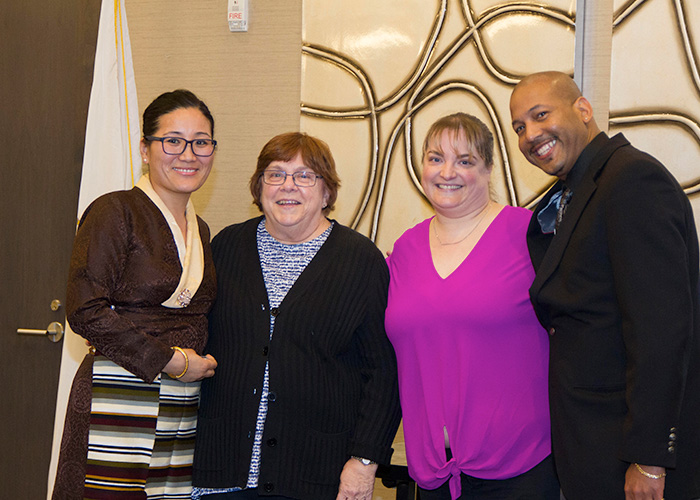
<point x="198" y="367"/>
<point x="356" y="481"/>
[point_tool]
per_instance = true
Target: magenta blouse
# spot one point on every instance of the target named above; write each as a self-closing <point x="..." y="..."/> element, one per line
<point x="472" y="357"/>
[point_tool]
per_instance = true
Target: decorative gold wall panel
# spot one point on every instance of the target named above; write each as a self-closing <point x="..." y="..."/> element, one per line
<point x="375" y="75"/>
<point x="655" y="83"/>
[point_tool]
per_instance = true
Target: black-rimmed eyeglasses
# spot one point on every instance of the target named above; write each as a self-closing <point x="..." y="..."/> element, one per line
<point x="279" y="177"/>
<point x="177" y="145"/>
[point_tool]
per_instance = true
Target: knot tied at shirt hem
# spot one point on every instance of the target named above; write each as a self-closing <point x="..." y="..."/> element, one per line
<point x="451" y="470"/>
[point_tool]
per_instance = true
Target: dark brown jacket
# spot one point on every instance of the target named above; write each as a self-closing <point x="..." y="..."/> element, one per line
<point x="124" y="265"/>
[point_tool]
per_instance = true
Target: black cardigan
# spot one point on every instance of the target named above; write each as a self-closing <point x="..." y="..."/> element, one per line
<point x="333" y="381"/>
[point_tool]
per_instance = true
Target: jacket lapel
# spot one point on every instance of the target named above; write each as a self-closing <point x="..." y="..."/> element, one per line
<point x="582" y="196"/>
<point x="537" y="241"/>
<point x="552" y="258"/>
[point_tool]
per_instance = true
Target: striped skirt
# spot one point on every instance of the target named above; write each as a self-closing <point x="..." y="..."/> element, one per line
<point x="141" y="440"/>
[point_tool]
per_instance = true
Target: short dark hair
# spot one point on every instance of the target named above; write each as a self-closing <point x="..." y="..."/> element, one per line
<point x="168" y="102"/>
<point x="314" y="152"/>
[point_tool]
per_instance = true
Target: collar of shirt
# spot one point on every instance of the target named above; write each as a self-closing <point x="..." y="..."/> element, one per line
<point x="584" y="160"/>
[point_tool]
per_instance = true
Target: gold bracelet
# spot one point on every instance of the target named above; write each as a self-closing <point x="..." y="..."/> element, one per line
<point x="649" y="475"/>
<point x="187" y="363"/>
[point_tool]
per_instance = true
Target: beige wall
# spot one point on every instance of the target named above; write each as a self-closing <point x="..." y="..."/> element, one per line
<point x="254" y="83"/>
<point x="250" y="81"/>
<point x="390" y="68"/>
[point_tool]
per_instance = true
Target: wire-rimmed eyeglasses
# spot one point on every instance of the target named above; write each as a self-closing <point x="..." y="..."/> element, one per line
<point x="177" y="145"/>
<point x="279" y="177"/>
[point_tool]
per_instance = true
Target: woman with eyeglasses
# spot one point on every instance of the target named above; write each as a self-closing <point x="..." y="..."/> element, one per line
<point x="141" y="283"/>
<point x="306" y="403"/>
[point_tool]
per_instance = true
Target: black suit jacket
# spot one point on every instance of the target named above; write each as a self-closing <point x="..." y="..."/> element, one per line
<point x="617" y="289"/>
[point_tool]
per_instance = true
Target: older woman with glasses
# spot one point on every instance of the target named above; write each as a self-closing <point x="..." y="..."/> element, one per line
<point x="305" y="401"/>
<point x="141" y="283"/>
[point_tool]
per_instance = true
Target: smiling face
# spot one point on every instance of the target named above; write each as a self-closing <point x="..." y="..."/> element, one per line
<point x="175" y="177"/>
<point x="455" y="177"/>
<point x="553" y="124"/>
<point x="293" y="214"/>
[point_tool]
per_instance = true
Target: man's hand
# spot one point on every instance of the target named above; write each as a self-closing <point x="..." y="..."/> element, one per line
<point x="640" y="487"/>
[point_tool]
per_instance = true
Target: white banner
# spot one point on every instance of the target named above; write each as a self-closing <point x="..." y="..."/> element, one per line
<point x="111" y="162"/>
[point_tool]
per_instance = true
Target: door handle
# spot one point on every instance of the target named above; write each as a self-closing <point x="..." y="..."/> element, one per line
<point x="54" y="331"/>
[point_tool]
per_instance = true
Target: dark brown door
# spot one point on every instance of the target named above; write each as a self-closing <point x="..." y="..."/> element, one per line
<point x="47" y="49"/>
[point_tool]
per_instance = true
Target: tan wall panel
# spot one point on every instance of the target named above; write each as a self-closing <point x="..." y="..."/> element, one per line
<point x="411" y="62"/>
<point x="250" y="81"/>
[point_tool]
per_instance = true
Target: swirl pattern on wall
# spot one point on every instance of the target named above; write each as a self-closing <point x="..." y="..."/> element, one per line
<point x="456" y="28"/>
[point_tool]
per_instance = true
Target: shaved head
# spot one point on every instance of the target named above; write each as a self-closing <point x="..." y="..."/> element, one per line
<point x="554" y="122"/>
<point x="557" y="83"/>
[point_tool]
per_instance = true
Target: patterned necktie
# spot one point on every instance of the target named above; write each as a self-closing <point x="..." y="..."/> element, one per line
<point x="563" y="203"/>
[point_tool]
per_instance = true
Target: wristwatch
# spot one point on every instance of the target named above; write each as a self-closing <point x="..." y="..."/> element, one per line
<point x="364" y="461"/>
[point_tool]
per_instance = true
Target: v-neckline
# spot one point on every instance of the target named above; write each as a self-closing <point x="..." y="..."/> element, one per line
<point x="466" y="257"/>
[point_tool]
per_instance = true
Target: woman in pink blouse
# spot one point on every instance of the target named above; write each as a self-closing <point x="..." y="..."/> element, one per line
<point x="472" y="357"/>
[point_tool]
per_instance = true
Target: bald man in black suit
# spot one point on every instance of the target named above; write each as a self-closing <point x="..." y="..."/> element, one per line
<point x="615" y="248"/>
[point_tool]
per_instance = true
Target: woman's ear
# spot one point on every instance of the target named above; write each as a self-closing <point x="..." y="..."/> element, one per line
<point x="143" y="147"/>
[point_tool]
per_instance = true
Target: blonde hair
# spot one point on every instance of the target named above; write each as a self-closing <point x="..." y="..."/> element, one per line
<point x="477" y="134"/>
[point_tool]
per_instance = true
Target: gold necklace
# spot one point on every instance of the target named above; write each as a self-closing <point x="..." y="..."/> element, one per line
<point x="481" y="218"/>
